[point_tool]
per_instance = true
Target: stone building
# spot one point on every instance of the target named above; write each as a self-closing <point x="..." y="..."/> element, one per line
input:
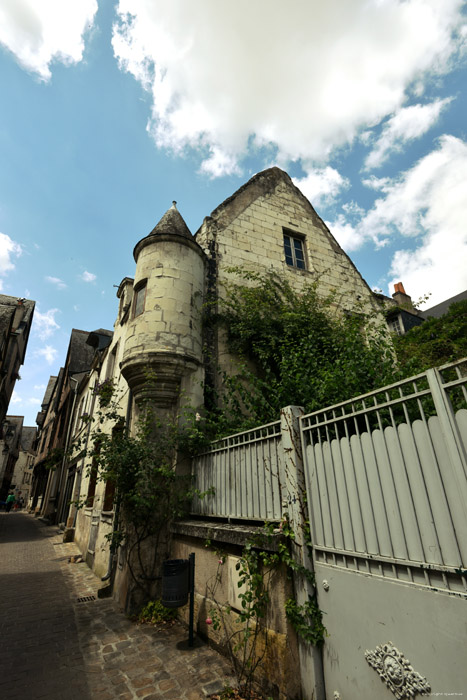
<point x="267" y="225"/>
<point x="10" y="446"/>
<point x="22" y="475"/>
<point x="15" y="324"/>
<point x="51" y="480"/>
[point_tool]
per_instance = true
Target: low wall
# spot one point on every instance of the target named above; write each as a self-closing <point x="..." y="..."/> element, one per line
<point x="217" y="550"/>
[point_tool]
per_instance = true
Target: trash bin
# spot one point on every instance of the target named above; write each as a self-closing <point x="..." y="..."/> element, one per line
<point x="175" y="582"/>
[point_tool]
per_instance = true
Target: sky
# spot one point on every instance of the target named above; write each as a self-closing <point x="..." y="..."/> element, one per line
<point x="111" y="109"/>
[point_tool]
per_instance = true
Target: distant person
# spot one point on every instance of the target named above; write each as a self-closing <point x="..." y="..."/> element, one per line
<point x="10" y="501"/>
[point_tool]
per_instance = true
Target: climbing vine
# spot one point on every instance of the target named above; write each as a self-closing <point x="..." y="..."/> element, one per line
<point x="258" y="561"/>
<point x="149" y="493"/>
<point x="295" y="348"/>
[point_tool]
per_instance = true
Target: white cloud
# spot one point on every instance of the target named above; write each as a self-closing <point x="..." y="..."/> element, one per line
<point x="322" y="185"/>
<point x="39" y="387"/>
<point x="302" y="77"/>
<point x="38" y="33"/>
<point x="49" y="354"/>
<point x="60" y="284"/>
<point x="16" y="399"/>
<point x="426" y="206"/>
<point x="33" y="401"/>
<point x="88" y="276"/>
<point x="45" y="324"/>
<point x="407" y="124"/>
<point x="8" y="250"/>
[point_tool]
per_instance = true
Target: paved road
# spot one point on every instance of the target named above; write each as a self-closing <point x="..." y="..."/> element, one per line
<point x="54" y="647"/>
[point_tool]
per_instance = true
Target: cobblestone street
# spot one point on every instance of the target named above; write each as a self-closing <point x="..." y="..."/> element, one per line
<point x="54" y="647"/>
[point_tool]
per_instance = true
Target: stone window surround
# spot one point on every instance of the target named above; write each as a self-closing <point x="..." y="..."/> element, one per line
<point x="294" y="237"/>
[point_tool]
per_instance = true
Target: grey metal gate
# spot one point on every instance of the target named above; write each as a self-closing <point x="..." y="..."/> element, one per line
<point x="386" y="481"/>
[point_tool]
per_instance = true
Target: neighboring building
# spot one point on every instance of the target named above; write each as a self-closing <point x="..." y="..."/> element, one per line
<point x="15" y="324"/>
<point x="22" y="475"/>
<point x="45" y="420"/>
<point x="10" y="446"/>
<point x="55" y="433"/>
<point x="443" y="307"/>
<point x="401" y="314"/>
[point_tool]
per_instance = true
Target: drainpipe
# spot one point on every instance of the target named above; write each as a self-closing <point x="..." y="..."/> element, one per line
<point x="115" y="522"/>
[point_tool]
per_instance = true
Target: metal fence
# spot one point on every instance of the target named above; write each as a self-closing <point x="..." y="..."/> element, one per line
<point x="240" y="474"/>
<point x="386" y="472"/>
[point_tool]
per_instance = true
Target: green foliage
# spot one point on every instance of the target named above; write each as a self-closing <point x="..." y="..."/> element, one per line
<point x="255" y="567"/>
<point x="104" y="391"/>
<point x="295" y="348"/>
<point x="154" y="613"/>
<point x="149" y="494"/>
<point x="54" y="458"/>
<point x="435" y="342"/>
<point x="307" y="620"/>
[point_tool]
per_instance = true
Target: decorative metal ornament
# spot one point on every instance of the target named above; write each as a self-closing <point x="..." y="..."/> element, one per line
<point x="396" y="671"/>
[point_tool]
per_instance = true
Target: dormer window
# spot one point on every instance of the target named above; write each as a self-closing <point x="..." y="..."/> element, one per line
<point x="140" y="296"/>
<point x="294" y="250"/>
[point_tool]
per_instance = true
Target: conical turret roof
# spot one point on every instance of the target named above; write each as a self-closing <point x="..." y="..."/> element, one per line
<point x="172" y="222"/>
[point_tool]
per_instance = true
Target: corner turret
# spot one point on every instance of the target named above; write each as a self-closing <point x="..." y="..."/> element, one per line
<point x="164" y="335"/>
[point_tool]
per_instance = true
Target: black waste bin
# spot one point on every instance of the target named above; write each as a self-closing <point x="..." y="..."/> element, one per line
<point x="175" y="582"/>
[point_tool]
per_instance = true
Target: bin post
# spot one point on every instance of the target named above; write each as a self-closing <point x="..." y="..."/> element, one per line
<point x="192" y="598"/>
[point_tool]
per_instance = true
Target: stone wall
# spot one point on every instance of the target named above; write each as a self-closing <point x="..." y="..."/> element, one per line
<point x="216" y="589"/>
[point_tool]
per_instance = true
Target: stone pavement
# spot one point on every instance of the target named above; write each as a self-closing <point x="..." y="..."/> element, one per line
<point x="53" y="646"/>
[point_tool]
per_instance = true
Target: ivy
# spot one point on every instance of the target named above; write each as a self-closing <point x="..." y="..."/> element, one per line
<point x="307" y="620"/>
<point x="437" y="341"/>
<point x="296" y="348"/>
<point x="255" y="567"/>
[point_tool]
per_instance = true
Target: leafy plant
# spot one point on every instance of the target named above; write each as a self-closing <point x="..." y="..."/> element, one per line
<point x="296" y="348"/>
<point x="155" y="613"/>
<point x="437" y="341"/>
<point x="255" y="568"/>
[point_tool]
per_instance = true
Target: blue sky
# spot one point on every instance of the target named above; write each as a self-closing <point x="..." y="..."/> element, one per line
<point x="112" y="109"/>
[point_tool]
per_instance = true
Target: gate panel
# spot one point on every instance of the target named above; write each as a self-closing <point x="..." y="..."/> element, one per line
<point x="387" y="488"/>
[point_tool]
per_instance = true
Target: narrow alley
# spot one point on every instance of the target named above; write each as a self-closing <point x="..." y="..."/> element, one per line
<point x="59" y="641"/>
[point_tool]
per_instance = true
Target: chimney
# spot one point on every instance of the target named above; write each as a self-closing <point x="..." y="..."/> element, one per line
<point x="401" y="298"/>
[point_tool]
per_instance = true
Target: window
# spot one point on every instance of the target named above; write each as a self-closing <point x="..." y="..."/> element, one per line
<point x="294" y="251"/>
<point x="93" y="475"/>
<point x="140" y="296"/>
<point x="395" y="325"/>
<point x="111" y="362"/>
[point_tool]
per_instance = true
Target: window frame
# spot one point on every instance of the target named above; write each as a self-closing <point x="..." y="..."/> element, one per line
<point x="300" y="238"/>
<point x="142" y="286"/>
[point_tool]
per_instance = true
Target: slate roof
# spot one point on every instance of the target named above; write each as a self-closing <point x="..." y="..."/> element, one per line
<point x="28" y="435"/>
<point x="49" y="391"/>
<point x="80" y="354"/>
<point x="172" y="222"/>
<point x="6" y="315"/>
<point x="443" y="307"/>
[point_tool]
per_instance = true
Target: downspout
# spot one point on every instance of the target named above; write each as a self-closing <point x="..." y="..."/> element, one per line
<point x="116" y="517"/>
